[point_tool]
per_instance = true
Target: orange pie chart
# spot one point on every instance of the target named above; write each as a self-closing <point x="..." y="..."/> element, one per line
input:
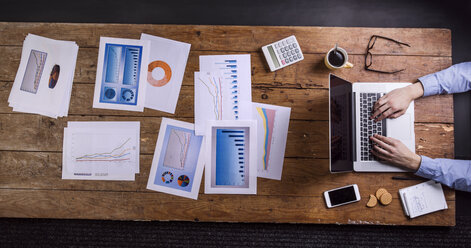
<point x="161" y="82"/>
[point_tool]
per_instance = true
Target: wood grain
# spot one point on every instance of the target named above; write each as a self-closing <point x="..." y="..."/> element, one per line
<point x="31" y="145"/>
<point x="232" y="208"/>
<point x="305" y="138"/>
<point x="423" y="41"/>
<point x="42" y="170"/>
<point x="305" y="104"/>
<point x="309" y="73"/>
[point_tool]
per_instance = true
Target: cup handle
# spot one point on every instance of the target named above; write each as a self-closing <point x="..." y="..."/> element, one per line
<point x="348" y="65"/>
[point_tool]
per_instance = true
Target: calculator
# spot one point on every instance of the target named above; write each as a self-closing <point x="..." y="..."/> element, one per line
<point x="282" y="53"/>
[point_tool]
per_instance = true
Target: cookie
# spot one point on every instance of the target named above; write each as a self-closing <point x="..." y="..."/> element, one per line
<point x="380" y="192"/>
<point x="386" y="198"/>
<point x="372" y="201"/>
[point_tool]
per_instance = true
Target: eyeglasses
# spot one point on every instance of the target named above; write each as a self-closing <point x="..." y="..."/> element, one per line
<point x="369" y="55"/>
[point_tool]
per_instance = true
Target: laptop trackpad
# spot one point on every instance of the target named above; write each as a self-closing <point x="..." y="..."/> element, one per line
<point x="399" y="128"/>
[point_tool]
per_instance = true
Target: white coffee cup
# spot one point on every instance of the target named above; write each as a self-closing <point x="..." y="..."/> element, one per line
<point x="345" y="64"/>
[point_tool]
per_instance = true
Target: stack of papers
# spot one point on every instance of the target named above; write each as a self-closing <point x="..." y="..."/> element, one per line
<point x="101" y="150"/>
<point x="43" y="83"/>
<point x="223" y="89"/>
<point x="244" y="140"/>
<point x="423" y="199"/>
<point x="133" y="74"/>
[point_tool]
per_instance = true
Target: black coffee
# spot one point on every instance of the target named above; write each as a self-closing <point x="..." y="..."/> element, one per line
<point x="336" y="58"/>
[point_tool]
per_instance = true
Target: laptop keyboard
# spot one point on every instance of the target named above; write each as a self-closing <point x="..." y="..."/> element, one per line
<point x="369" y="127"/>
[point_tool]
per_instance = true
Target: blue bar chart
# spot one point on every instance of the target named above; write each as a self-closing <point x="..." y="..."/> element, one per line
<point x="122" y="65"/>
<point x="229" y="70"/>
<point x="231" y="161"/>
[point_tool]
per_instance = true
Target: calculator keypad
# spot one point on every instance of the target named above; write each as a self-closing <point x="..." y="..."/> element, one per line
<point x="288" y="51"/>
<point x="283" y="53"/>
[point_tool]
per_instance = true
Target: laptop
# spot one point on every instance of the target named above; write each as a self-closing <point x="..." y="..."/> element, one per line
<point x="350" y="107"/>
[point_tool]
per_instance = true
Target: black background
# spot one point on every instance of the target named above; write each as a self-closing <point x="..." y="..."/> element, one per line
<point x="401" y="13"/>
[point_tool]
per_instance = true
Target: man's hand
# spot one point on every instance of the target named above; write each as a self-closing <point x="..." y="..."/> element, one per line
<point x="396" y="102"/>
<point x="395" y="152"/>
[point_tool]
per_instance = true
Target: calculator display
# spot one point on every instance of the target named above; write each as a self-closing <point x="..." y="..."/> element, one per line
<point x="282" y="53"/>
<point x="273" y="56"/>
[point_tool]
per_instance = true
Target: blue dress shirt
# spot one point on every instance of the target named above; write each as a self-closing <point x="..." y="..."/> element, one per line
<point x="453" y="173"/>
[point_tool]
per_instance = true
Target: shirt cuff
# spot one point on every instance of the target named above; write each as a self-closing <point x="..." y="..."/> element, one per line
<point x="428" y="168"/>
<point x="430" y="84"/>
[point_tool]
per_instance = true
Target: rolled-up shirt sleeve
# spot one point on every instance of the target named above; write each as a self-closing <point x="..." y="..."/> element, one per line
<point x="453" y="173"/>
<point x="455" y="79"/>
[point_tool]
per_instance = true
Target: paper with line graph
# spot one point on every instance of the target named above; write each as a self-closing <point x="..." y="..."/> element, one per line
<point x="101" y="151"/>
<point x="177" y="166"/>
<point x="177" y="147"/>
<point x="222" y="85"/>
<point x="272" y="129"/>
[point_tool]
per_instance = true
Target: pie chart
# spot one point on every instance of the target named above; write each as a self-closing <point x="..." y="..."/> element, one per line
<point x="159" y="82"/>
<point x="183" y="180"/>
<point x="167" y="177"/>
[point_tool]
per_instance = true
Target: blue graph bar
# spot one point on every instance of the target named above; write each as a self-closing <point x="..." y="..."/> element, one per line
<point x="131" y="66"/>
<point x="230" y="162"/>
<point x="113" y="59"/>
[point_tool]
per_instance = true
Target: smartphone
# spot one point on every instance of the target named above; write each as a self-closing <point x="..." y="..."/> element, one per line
<point x="341" y="196"/>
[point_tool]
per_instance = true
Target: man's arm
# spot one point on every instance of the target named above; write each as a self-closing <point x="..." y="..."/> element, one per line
<point x="454" y="79"/>
<point x="453" y="173"/>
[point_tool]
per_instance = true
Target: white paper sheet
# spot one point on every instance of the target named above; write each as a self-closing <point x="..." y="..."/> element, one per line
<point x="121" y="74"/>
<point x="272" y="130"/>
<point x="224" y="82"/>
<point x="177" y="166"/>
<point x="165" y="71"/>
<point x="231" y="157"/>
<point x="126" y="125"/>
<point x="101" y="151"/>
<point x="423" y="198"/>
<point x="33" y="91"/>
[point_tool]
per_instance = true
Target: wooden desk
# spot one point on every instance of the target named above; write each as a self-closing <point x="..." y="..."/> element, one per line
<point x="31" y="145"/>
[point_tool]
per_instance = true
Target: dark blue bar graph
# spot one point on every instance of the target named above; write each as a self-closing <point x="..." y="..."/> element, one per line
<point x="230" y="161"/>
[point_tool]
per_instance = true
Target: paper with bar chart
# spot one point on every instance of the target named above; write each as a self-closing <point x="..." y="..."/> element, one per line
<point x="272" y="129"/>
<point x="231" y="155"/>
<point x="177" y="166"/>
<point x="101" y="152"/>
<point x="223" y="83"/>
<point x="121" y="74"/>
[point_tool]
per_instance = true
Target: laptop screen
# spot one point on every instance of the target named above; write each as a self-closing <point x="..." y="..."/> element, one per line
<point x="341" y="126"/>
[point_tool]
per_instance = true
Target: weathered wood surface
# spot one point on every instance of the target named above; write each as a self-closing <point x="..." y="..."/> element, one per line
<point x="31" y="145"/>
<point x="306" y="104"/>
<point x="229" y="208"/>
<point x="308" y="139"/>
<point x="426" y="41"/>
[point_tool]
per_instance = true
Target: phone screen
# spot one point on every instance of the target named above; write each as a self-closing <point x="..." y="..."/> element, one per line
<point x="342" y="195"/>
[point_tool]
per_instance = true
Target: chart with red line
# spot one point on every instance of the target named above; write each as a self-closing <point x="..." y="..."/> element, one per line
<point x="103" y="153"/>
<point x="120" y="153"/>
